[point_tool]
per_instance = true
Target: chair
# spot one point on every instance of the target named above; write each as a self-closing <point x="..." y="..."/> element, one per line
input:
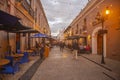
<point x="8" y="69"/>
<point x="11" y="67"/>
<point x="24" y="59"/>
<point x="11" y="60"/>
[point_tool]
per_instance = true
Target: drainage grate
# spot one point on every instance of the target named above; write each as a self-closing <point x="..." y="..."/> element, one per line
<point x="30" y="72"/>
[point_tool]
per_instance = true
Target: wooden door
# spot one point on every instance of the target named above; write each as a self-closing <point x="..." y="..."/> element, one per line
<point x="99" y="44"/>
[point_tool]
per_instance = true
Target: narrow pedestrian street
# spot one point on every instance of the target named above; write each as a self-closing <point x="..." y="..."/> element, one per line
<point x="62" y="66"/>
<point x="59" y="40"/>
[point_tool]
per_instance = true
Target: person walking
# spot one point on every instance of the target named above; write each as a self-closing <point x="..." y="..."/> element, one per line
<point x="36" y="48"/>
<point x="75" y="49"/>
<point x="61" y="46"/>
<point x="42" y="50"/>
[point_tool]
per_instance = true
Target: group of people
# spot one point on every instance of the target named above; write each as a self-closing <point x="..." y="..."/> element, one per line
<point x="80" y="48"/>
<point x="76" y="48"/>
<point x="42" y="49"/>
<point x="84" y="48"/>
<point x="61" y="44"/>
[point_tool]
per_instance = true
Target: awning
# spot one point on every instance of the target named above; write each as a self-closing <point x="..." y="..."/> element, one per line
<point x="27" y="31"/>
<point x="75" y="37"/>
<point x="10" y="23"/>
<point x="7" y="19"/>
<point x="39" y="35"/>
<point x="14" y="28"/>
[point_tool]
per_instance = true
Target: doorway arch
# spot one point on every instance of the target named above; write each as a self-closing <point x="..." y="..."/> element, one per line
<point x="95" y="43"/>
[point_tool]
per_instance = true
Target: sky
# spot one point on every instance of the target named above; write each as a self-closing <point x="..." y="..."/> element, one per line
<point x="60" y="13"/>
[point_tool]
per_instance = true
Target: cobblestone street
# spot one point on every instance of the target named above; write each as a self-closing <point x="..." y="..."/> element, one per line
<point x="62" y="66"/>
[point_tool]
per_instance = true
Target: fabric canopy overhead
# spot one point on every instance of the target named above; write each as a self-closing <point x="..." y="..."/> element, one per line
<point x="39" y="35"/>
<point x="7" y="19"/>
<point x="10" y="23"/>
<point x="27" y="31"/>
<point x="14" y="28"/>
<point x="75" y="37"/>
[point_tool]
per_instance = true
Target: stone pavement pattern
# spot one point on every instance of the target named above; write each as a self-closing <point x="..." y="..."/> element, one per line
<point x="62" y="66"/>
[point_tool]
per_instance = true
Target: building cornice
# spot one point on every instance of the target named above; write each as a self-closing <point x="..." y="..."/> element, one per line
<point x="90" y="6"/>
<point x="24" y="12"/>
<point x="44" y="14"/>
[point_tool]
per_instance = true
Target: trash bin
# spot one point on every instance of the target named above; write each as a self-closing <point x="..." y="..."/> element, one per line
<point x="46" y="51"/>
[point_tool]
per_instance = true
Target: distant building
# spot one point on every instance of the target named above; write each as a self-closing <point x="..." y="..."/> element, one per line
<point x="60" y="36"/>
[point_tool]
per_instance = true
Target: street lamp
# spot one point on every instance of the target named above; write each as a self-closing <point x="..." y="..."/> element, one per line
<point x="101" y="19"/>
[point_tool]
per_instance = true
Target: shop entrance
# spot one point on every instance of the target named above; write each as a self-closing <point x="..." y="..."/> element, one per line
<point x="99" y="44"/>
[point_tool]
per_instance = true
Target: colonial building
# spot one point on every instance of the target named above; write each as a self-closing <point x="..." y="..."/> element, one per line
<point x="31" y="15"/>
<point x="99" y="24"/>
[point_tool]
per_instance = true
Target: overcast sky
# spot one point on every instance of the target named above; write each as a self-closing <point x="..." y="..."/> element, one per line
<point x="60" y="13"/>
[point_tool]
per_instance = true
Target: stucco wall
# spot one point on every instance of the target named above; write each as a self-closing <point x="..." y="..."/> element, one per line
<point x="111" y="24"/>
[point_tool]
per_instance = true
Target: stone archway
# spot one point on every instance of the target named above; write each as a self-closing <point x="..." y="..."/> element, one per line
<point x="94" y="41"/>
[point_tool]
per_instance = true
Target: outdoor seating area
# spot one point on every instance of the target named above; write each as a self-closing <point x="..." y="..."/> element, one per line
<point x="12" y="63"/>
<point x="12" y="59"/>
<point x="15" y="71"/>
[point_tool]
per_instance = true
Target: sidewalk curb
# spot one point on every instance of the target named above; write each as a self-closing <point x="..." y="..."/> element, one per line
<point x="97" y="63"/>
<point x="110" y="75"/>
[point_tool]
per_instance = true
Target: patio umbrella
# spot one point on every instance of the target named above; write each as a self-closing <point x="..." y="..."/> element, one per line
<point x="39" y="35"/>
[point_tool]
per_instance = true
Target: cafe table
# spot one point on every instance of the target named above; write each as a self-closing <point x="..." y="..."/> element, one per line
<point x="17" y="55"/>
<point x="29" y="51"/>
<point x="4" y="62"/>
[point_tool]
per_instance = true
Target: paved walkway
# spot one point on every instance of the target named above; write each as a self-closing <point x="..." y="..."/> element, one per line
<point x="113" y="65"/>
<point x="62" y="66"/>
